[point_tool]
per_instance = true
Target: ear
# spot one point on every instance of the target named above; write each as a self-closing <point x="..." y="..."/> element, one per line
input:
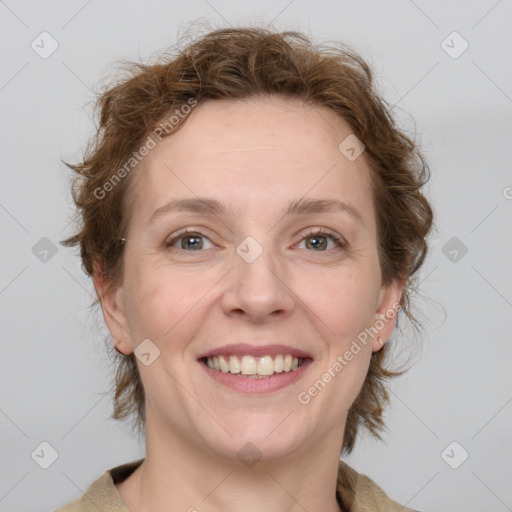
<point x="386" y="314"/>
<point x="113" y="307"/>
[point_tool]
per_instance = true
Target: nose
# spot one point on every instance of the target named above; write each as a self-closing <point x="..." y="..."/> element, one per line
<point x="260" y="290"/>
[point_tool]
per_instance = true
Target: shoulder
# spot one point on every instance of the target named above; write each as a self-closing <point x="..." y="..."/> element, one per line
<point x="102" y="494"/>
<point x="360" y="493"/>
<point x="74" y="506"/>
<point x="99" y="495"/>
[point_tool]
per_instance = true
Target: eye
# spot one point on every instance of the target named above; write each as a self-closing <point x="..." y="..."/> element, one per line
<point x="192" y="240"/>
<point x="317" y="237"/>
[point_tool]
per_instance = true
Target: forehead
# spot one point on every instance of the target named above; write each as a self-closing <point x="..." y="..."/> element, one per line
<point x="247" y="149"/>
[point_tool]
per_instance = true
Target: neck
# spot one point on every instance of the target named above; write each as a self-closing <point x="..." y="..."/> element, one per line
<point x="178" y="475"/>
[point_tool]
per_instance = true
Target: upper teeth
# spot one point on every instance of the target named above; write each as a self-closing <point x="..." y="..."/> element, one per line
<point x="248" y="365"/>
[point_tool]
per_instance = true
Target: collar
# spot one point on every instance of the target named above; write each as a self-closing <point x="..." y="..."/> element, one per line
<point x="355" y="492"/>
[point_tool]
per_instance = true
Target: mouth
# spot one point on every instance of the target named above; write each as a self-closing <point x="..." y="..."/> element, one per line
<point x="255" y="369"/>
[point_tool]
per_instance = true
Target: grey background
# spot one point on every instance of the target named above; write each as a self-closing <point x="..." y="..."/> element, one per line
<point x="55" y="374"/>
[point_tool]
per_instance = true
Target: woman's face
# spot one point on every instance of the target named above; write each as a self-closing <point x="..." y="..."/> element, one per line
<point x="252" y="280"/>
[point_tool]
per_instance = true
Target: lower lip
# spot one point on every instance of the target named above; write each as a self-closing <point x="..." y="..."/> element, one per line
<point x="247" y="385"/>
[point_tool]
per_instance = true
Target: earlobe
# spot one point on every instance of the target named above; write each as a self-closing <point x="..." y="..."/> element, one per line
<point x="387" y="312"/>
<point x="113" y="308"/>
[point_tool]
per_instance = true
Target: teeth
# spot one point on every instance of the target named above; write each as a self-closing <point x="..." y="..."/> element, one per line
<point x="265" y="366"/>
<point x="224" y="366"/>
<point x="253" y="367"/>
<point x="249" y="366"/>
<point x="278" y="364"/>
<point x="234" y="364"/>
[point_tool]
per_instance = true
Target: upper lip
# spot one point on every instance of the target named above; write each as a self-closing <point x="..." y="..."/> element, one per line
<point x="246" y="349"/>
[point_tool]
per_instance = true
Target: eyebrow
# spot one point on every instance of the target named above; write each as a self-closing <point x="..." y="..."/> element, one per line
<point x="302" y="206"/>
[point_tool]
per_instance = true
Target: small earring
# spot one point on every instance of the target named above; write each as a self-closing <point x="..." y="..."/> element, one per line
<point x="379" y="339"/>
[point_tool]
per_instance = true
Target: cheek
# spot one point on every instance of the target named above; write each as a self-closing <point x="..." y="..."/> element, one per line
<point x="344" y="301"/>
<point x="161" y="300"/>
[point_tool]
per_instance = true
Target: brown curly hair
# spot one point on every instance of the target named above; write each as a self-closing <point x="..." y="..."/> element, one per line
<point x="240" y="63"/>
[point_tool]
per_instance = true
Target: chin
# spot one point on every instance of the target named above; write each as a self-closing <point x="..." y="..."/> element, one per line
<point x="253" y="436"/>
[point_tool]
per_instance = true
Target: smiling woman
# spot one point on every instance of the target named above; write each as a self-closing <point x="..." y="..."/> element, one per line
<point x="250" y="270"/>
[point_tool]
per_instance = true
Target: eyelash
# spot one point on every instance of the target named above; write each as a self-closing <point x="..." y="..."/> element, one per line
<point x="340" y="242"/>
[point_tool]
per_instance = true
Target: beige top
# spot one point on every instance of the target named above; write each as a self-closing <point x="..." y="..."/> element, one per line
<point x="355" y="493"/>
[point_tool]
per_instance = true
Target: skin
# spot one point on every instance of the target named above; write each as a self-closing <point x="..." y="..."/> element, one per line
<point x="256" y="155"/>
